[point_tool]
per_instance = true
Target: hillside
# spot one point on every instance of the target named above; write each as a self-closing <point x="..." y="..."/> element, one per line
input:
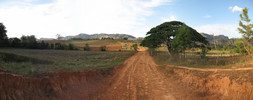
<point x="99" y="36"/>
<point x="211" y="37"/>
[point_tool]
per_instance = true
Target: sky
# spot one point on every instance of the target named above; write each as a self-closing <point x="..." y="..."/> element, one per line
<point x="46" y="18"/>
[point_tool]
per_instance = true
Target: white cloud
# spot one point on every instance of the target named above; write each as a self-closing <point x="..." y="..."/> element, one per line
<point x="170" y="18"/>
<point x="235" y="9"/>
<point x="70" y="17"/>
<point x="207" y="16"/>
<point x="229" y="30"/>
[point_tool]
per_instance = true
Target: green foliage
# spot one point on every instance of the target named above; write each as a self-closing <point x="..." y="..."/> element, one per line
<point x="87" y="47"/>
<point x="102" y="48"/>
<point x="3" y="36"/>
<point x="246" y="31"/>
<point x="14" y="42"/>
<point x="29" y="42"/>
<point x="59" y="46"/>
<point x="71" y="47"/>
<point x="175" y="35"/>
<point x="204" y="51"/>
<point x="135" y="46"/>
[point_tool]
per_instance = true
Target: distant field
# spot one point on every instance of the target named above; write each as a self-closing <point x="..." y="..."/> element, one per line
<point x="223" y="59"/>
<point x="112" y="45"/>
<point x="33" y="62"/>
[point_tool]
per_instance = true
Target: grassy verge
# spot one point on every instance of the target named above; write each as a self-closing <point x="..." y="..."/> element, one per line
<point x="34" y="62"/>
<point x="194" y="60"/>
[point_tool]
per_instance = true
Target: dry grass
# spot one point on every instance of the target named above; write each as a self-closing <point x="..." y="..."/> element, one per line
<point x="39" y="61"/>
<point x="193" y="60"/>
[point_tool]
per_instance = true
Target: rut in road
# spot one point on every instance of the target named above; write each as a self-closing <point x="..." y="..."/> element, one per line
<point x="140" y="79"/>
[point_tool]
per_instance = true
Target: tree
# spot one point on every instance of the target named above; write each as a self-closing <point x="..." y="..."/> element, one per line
<point x="246" y="31"/>
<point x="175" y="35"/>
<point x="3" y="36"/>
<point x="14" y="42"/>
<point x="71" y="46"/>
<point x="29" y="42"/>
<point x="87" y="47"/>
<point x="59" y="37"/>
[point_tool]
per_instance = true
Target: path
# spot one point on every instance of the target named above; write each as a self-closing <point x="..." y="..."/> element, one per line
<point x="139" y="79"/>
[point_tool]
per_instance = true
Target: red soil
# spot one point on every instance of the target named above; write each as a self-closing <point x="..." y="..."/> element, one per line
<point x="137" y="79"/>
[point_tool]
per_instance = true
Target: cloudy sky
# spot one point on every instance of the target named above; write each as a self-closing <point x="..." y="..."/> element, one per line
<point x="46" y="18"/>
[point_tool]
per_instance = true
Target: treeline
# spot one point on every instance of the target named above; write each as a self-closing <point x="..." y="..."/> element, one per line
<point x="30" y="42"/>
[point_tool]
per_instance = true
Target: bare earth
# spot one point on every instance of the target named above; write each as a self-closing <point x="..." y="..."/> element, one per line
<point x="140" y="79"/>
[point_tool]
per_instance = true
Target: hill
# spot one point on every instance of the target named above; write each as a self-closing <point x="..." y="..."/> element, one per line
<point x="211" y="37"/>
<point x="98" y="36"/>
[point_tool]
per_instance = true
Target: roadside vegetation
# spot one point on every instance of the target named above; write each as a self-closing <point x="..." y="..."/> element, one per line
<point x="175" y="43"/>
<point x="30" y="62"/>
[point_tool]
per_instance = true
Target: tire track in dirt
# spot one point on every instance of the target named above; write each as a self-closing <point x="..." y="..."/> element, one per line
<point x="139" y="79"/>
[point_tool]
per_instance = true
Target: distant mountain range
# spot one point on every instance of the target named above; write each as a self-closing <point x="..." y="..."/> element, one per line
<point x="211" y="37"/>
<point x="99" y="36"/>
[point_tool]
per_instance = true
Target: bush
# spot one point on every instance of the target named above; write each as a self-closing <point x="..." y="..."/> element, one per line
<point x="87" y="47"/>
<point x="102" y="48"/>
<point x="135" y="46"/>
<point x="71" y="47"/>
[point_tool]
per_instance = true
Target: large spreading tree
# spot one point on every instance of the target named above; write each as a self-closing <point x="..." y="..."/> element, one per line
<point x="176" y="35"/>
<point x="3" y="36"/>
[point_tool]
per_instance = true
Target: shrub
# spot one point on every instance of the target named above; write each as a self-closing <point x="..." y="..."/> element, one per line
<point x="87" y="47"/>
<point x="102" y="48"/>
<point x="135" y="46"/>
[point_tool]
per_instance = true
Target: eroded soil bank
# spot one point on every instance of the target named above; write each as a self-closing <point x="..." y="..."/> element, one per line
<point x="56" y="85"/>
<point x="211" y="85"/>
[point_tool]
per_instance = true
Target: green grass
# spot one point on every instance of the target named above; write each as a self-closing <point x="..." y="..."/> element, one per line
<point x="29" y="62"/>
<point x="194" y="60"/>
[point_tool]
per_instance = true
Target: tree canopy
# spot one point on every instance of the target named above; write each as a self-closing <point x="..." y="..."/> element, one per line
<point x="3" y="36"/>
<point x="176" y="35"/>
<point x="246" y="30"/>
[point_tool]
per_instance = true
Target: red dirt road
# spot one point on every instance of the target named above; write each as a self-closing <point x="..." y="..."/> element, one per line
<point x="140" y="79"/>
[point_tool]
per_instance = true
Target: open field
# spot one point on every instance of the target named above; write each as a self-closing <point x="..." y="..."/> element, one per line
<point x="111" y="44"/>
<point x="223" y="59"/>
<point x="33" y="62"/>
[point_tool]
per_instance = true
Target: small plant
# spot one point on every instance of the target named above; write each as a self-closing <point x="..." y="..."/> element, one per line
<point x="102" y="48"/>
<point x="135" y="46"/>
<point x="87" y="47"/>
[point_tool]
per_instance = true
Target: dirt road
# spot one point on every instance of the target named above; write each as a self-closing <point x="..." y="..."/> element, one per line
<point x="139" y="79"/>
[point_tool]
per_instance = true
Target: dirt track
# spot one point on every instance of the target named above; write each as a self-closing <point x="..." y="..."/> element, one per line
<point x="139" y="79"/>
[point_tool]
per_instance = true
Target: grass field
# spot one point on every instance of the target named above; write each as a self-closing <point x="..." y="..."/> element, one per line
<point x="113" y="45"/>
<point x="222" y="59"/>
<point x="29" y="62"/>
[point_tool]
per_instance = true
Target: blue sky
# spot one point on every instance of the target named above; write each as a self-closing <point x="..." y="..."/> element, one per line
<point x="46" y="18"/>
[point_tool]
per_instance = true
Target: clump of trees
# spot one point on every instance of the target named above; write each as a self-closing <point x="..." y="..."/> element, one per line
<point x="176" y="35"/>
<point x="29" y="42"/>
<point x="244" y="44"/>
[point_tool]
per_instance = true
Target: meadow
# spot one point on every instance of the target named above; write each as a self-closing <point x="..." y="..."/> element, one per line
<point x="31" y="62"/>
<point x="213" y="59"/>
